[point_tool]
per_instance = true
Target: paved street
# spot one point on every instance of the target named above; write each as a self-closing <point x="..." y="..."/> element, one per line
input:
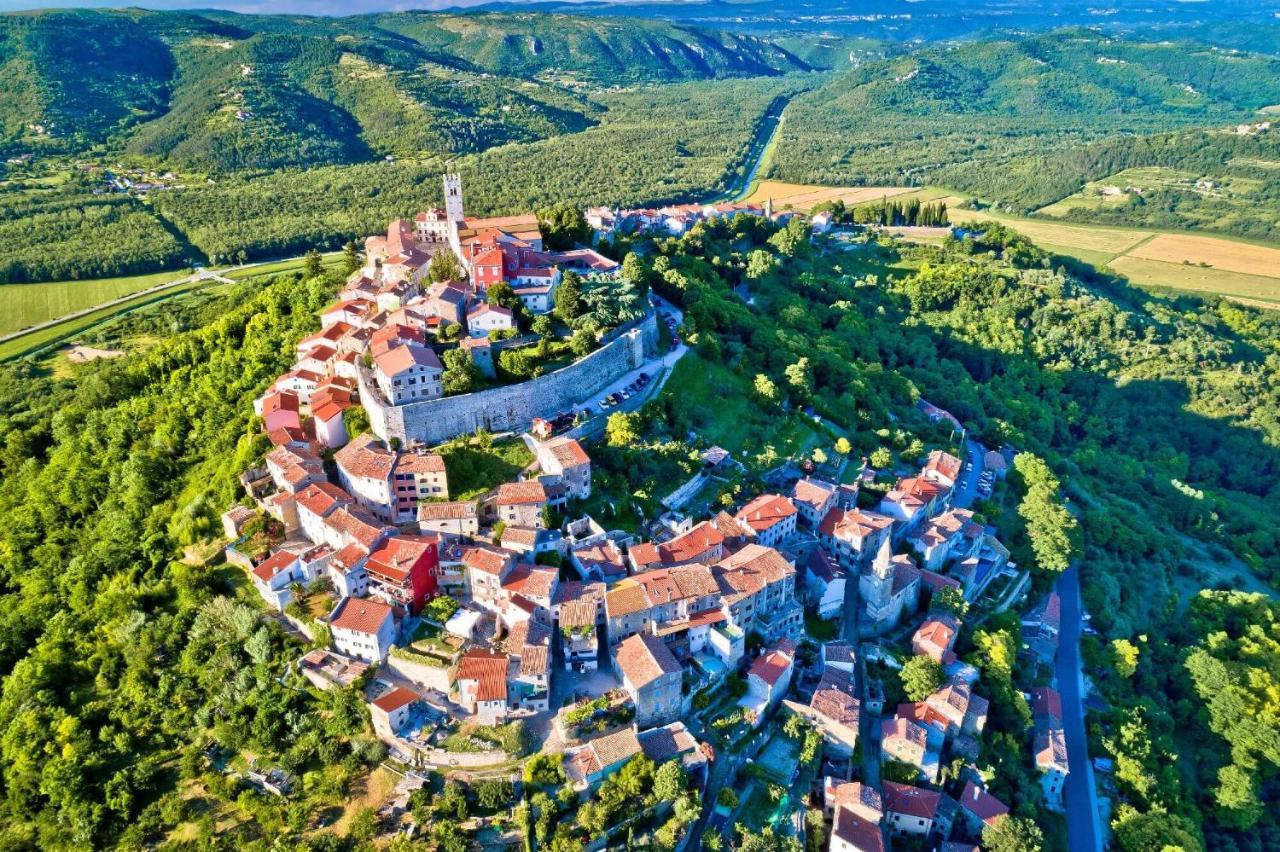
<point x="658" y="369"/>
<point x="966" y="490"/>
<point x="1083" y="829"/>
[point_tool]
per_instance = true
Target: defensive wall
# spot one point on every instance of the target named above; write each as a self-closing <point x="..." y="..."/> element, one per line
<point x="511" y="407"/>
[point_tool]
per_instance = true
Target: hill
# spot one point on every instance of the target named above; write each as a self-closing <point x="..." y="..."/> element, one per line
<point x="220" y="91"/>
<point x="985" y="116"/>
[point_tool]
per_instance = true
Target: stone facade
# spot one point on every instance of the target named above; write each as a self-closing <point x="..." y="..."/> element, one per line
<point x="515" y="406"/>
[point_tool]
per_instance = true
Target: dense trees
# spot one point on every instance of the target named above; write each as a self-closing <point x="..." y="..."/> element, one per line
<point x="920" y="677"/>
<point x="131" y="658"/>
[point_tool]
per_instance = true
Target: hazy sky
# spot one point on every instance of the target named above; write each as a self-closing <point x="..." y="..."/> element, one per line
<point x="297" y="7"/>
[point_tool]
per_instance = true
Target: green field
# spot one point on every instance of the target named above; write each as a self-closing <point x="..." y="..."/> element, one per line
<point x="28" y="304"/>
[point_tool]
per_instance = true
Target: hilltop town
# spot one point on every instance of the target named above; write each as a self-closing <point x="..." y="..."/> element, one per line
<point x="787" y="661"/>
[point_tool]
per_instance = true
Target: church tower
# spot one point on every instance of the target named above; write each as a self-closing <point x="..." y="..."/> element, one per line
<point x="453" y="197"/>
<point x="876" y="587"/>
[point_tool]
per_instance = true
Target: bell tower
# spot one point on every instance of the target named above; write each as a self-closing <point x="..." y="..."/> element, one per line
<point x="453" y="198"/>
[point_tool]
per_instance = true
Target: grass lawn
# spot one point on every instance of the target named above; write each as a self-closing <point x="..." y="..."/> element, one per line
<point x="722" y="408"/>
<point x="474" y="470"/>
<point x="28" y="304"/>
<point x="821" y="629"/>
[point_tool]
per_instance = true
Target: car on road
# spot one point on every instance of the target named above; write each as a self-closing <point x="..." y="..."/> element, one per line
<point x="604" y="403"/>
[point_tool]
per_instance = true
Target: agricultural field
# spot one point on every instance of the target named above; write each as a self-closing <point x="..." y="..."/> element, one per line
<point x="28" y="304"/>
<point x="803" y="197"/>
<point x="1233" y="256"/>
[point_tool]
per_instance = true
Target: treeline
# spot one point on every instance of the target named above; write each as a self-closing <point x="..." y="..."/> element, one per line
<point x="73" y="234"/>
<point x="897" y="213"/>
<point x="658" y="145"/>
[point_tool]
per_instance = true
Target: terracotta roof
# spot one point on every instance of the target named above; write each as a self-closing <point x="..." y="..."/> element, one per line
<point x="274" y="564"/>
<point x="643" y="659"/>
<point x="391" y="701"/>
<point x="320" y="498"/>
<point x="937" y="582"/>
<point x="902" y="728"/>
<point x="1046" y="702"/>
<point x="853" y="523"/>
<point x="395" y="558"/>
<point x="644" y="554"/>
<point x="937" y="630"/>
<point x="615" y="748"/>
<point x="911" y="801"/>
<point x="362" y="615"/>
<point x="355" y="523"/>
<point x="486" y="308"/>
<point x="567" y="452"/>
<point x="854" y="794"/>
<point x="484" y="559"/>
<point x="366" y="457"/>
<point x="401" y="358"/>
<point x="535" y="659"/>
<point x="488" y="670"/>
<point x="770" y="667"/>
<point x="916" y="491"/>
<point x="766" y="511"/>
<point x="813" y="492"/>
<point x="750" y="569"/>
<point x="857" y="832"/>
<point x="280" y="401"/>
<point x="523" y="536"/>
<point x="420" y="463"/>
<point x="1051" y="749"/>
<point x="691" y="545"/>
<point x="447" y="511"/>
<point x="824" y="565"/>
<point x="941" y="529"/>
<point x="579" y="613"/>
<point x="520" y="493"/>
<point x="626" y="598"/>
<point x="532" y="581"/>
<point x="943" y="464"/>
<point x="571" y="591"/>
<point x="834" y="698"/>
<point x="982" y="804"/>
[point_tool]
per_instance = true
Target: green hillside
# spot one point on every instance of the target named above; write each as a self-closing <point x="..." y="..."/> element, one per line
<point x="991" y="117"/>
<point x="600" y="50"/>
<point x="220" y="92"/>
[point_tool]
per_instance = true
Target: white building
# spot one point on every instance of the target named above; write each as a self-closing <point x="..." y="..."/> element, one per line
<point x="363" y="628"/>
<point x="409" y="373"/>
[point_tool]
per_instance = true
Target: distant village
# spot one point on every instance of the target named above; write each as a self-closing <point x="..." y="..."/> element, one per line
<point x="608" y="644"/>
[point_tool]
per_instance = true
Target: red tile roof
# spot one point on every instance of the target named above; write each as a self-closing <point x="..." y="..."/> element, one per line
<point x="770" y="667"/>
<point x="489" y="670"/>
<point x="274" y="564"/>
<point x="982" y="804"/>
<point x="391" y="701"/>
<point x="766" y="511"/>
<point x="643" y="659"/>
<point x="520" y="493"/>
<point x="911" y="801"/>
<point x="362" y="615"/>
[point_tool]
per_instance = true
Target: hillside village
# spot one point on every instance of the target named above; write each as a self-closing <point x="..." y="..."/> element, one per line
<point x="758" y="648"/>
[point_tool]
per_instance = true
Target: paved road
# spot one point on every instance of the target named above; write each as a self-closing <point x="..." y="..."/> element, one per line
<point x="658" y="368"/>
<point x="772" y="123"/>
<point x="1083" y="829"/>
<point x="966" y="490"/>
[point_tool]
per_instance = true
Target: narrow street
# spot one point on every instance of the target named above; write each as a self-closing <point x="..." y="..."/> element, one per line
<point x="1083" y="829"/>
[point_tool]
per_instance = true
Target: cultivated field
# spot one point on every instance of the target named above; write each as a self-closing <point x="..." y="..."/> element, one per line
<point x="28" y="304"/>
<point x="803" y="197"/>
<point x="1255" y="289"/>
<point x="1244" y="258"/>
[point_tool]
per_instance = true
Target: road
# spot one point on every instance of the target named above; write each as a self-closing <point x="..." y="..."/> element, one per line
<point x="1083" y="829"/>
<point x="771" y="123"/>
<point x="966" y="490"/>
<point x="658" y="368"/>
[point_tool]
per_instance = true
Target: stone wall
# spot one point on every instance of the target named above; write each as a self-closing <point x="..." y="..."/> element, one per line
<point x="512" y="407"/>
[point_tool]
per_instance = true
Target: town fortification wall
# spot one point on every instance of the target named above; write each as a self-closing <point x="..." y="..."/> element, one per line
<point x="512" y="407"/>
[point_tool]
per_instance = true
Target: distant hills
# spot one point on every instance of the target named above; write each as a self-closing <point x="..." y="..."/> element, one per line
<point x="218" y="91"/>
